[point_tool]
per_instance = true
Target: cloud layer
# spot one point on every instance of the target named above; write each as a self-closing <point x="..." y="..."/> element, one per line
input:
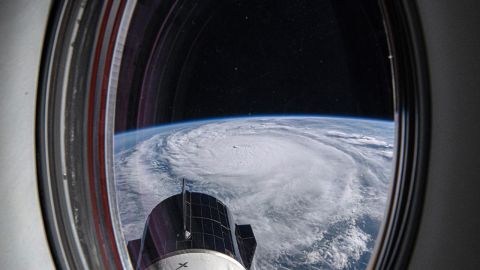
<point x="314" y="189"/>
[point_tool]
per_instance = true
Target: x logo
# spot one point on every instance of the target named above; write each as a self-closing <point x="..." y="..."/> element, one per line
<point x="182" y="265"/>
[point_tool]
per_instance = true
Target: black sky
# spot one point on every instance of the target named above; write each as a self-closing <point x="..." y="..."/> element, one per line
<point x="254" y="57"/>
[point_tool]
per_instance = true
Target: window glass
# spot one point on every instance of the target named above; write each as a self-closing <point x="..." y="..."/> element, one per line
<point x="272" y="123"/>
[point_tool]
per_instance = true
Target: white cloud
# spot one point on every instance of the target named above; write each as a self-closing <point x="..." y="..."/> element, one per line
<point x="293" y="179"/>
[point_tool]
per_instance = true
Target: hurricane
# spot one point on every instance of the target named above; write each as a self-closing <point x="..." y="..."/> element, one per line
<point x="314" y="189"/>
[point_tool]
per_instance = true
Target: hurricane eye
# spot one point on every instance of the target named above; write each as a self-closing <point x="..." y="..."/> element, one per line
<point x="273" y="114"/>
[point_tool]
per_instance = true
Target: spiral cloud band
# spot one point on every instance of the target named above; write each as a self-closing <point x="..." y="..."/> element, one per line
<point x="314" y="189"/>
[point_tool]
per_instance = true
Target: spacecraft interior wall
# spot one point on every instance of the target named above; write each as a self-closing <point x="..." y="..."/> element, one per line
<point x="23" y="243"/>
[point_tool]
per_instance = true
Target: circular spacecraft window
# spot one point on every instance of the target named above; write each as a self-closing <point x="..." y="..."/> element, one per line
<point x="253" y="134"/>
<point x="280" y="110"/>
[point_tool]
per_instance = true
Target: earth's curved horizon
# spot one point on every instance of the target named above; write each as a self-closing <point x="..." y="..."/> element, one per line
<point x="314" y="188"/>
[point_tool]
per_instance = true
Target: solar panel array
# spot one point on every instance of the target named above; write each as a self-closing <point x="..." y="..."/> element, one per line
<point x="207" y="221"/>
<point x="191" y="220"/>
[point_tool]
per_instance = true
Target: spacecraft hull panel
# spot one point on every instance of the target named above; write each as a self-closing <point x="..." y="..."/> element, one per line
<point x="197" y="259"/>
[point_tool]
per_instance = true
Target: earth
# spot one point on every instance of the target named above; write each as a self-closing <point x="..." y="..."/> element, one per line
<point x="313" y="188"/>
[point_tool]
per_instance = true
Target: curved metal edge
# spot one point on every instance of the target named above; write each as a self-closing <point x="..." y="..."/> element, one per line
<point x="411" y="79"/>
<point x="95" y="140"/>
<point x="68" y="196"/>
<point x="110" y="130"/>
<point x="57" y="246"/>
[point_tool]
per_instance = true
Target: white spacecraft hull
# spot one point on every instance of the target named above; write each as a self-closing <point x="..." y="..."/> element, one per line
<point x="198" y="259"/>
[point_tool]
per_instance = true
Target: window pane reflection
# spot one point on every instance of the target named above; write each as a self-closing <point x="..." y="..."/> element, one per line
<point x="259" y="130"/>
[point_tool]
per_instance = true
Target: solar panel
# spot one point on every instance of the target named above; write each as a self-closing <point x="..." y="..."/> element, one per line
<point x="206" y="221"/>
